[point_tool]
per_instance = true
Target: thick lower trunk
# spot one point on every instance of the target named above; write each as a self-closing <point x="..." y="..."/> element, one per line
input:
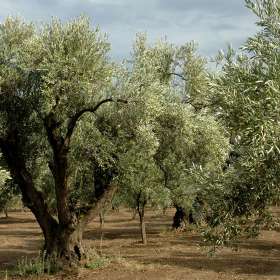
<point x="66" y="246"/>
<point x="63" y="238"/>
<point x="179" y="218"/>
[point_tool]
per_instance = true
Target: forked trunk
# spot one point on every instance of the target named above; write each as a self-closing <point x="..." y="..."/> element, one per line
<point x="63" y="236"/>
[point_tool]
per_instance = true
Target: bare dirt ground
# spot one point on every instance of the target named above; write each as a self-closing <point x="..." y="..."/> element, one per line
<point x="167" y="255"/>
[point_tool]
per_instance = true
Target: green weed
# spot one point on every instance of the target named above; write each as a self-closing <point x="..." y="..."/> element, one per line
<point x="37" y="266"/>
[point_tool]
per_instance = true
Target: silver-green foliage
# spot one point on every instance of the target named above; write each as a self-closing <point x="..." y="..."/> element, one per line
<point x="56" y="69"/>
<point x="164" y="142"/>
<point x="246" y="98"/>
<point x="157" y="143"/>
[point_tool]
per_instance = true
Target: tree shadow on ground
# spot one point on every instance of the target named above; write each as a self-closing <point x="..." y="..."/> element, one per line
<point x="125" y="231"/>
<point x="239" y="265"/>
<point x="11" y="254"/>
<point x="112" y="233"/>
<point x="19" y="233"/>
<point x="12" y="220"/>
<point x="260" y="245"/>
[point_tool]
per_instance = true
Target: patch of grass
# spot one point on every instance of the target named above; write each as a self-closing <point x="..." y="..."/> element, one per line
<point x="98" y="263"/>
<point x="4" y="274"/>
<point x="133" y="265"/>
<point x="95" y="260"/>
<point x="166" y="231"/>
<point x="37" y="266"/>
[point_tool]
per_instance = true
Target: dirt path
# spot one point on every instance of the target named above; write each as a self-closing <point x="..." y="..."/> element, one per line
<point x="167" y="255"/>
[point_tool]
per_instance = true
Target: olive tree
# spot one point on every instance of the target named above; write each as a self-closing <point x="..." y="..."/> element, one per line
<point x="246" y="98"/>
<point x="190" y="144"/>
<point x="50" y="79"/>
<point x="163" y="141"/>
<point x="130" y="129"/>
<point x="191" y="139"/>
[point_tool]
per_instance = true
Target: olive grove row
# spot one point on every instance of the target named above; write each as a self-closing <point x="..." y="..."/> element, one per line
<point x="78" y="131"/>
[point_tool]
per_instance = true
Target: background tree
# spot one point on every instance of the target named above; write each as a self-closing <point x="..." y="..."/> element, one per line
<point x="191" y="140"/>
<point x="160" y="137"/>
<point x="246" y="98"/>
<point x="190" y="143"/>
<point x="131" y="130"/>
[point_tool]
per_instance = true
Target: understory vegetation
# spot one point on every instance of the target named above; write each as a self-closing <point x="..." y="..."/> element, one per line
<point x="81" y="134"/>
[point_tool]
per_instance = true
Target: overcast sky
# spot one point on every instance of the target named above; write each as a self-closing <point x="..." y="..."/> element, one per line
<point x="211" y="23"/>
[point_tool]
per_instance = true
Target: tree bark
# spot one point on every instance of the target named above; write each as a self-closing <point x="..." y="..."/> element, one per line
<point x="32" y="198"/>
<point x="59" y="169"/>
<point x="71" y="220"/>
<point x="67" y="246"/>
<point x="89" y="213"/>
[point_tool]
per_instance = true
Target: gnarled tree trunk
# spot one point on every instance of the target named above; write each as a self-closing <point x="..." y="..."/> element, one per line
<point x="64" y="244"/>
<point x="63" y="238"/>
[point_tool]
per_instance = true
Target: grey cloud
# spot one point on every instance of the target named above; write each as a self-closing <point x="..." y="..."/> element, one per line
<point x="212" y="23"/>
<point x="218" y="7"/>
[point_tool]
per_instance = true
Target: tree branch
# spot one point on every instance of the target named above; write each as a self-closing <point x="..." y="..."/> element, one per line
<point x="33" y="198"/>
<point x="91" y="212"/>
<point x="178" y="75"/>
<point x="73" y="121"/>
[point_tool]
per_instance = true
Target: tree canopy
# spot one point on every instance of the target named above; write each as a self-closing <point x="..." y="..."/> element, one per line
<point x="159" y="128"/>
<point x="245" y="97"/>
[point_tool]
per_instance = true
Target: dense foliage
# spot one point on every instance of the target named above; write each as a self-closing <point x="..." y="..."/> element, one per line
<point x="159" y="128"/>
<point x="245" y="96"/>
